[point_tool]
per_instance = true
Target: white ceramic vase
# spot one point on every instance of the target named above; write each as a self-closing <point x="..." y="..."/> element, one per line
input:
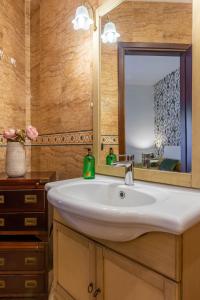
<point x="15" y="160"/>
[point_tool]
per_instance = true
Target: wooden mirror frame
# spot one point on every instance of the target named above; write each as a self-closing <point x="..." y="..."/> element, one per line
<point x="182" y="179"/>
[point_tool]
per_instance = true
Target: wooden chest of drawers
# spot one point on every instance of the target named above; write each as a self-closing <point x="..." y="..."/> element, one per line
<point x="24" y="237"/>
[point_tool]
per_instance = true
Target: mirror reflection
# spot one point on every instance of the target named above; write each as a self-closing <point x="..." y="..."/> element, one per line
<point x="145" y="85"/>
<point x="156" y="112"/>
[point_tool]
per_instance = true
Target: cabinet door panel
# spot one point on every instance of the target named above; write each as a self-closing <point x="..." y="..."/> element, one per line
<point x="120" y="278"/>
<point x="74" y="263"/>
<point x="120" y="284"/>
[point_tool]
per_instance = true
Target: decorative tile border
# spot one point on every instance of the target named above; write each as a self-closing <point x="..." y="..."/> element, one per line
<point x="67" y="138"/>
<point x="109" y="139"/>
<point x="59" y="139"/>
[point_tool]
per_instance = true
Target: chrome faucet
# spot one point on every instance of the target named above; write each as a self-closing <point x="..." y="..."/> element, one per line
<point x="128" y="164"/>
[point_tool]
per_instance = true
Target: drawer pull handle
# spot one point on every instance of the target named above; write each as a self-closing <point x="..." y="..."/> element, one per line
<point x="30" y="261"/>
<point x="2" y="284"/>
<point x="30" y="221"/>
<point x="30" y="199"/>
<point x="2" y="261"/>
<point x="30" y="284"/>
<point x="2" y="199"/>
<point x="2" y="222"/>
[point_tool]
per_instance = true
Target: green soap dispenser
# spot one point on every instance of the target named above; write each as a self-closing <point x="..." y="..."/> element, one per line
<point x="111" y="157"/>
<point x="89" y="166"/>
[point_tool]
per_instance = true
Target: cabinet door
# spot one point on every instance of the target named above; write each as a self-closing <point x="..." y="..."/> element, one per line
<point x="120" y="278"/>
<point x="74" y="264"/>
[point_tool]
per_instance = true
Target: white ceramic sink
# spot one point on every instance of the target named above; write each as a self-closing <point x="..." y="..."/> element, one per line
<point x="107" y="209"/>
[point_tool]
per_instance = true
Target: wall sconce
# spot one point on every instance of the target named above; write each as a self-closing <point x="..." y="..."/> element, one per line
<point x="82" y="18"/>
<point x="110" y="34"/>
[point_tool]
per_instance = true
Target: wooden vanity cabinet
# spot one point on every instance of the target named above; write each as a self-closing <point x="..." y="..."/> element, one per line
<point x="155" y="266"/>
<point x="85" y="269"/>
<point x="74" y="264"/>
<point x="24" y="237"/>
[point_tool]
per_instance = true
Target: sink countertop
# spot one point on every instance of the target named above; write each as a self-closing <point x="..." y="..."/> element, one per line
<point x="176" y="209"/>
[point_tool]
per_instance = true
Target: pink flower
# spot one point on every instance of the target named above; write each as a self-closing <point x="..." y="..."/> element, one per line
<point x="9" y="134"/>
<point x="31" y="133"/>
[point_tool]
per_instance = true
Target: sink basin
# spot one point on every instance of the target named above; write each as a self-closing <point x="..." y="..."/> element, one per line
<point x="106" y="194"/>
<point x="105" y="208"/>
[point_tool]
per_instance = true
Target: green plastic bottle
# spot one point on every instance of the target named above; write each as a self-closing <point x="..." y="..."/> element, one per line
<point x="111" y="157"/>
<point x="89" y="166"/>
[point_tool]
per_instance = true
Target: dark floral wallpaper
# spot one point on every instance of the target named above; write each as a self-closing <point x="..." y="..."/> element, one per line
<point x="167" y="111"/>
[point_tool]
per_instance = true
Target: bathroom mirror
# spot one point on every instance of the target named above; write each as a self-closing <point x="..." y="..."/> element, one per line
<point x="155" y="105"/>
<point x="143" y="88"/>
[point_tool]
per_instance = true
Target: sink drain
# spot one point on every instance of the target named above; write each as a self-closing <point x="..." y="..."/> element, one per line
<point x="122" y="195"/>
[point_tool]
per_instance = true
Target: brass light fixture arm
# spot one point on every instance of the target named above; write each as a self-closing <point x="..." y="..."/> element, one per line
<point x="89" y="6"/>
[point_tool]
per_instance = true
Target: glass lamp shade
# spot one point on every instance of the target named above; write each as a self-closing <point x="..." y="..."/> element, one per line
<point x="82" y="19"/>
<point x="110" y="34"/>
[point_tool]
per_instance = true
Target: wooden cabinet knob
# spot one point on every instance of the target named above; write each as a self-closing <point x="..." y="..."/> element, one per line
<point x="90" y="288"/>
<point x="96" y="293"/>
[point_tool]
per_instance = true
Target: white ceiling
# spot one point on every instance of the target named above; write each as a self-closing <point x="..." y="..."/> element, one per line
<point x="148" y="70"/>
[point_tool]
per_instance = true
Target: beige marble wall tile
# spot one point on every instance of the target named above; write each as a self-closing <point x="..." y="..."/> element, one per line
<point x="12" y="79"/>
<point x="67" y="161"/>
<point x="61" y="83"/>
<point x="27" y="78"/>
<point x="65" y="91"/>
<point x="35" y="59"/>
<point x="2" y="158"/>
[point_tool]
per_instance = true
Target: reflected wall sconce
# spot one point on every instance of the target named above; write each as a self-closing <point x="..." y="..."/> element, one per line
<point x="110" y="34"/>
<point x="5" y="57"/>
<point x="83" y="19"/>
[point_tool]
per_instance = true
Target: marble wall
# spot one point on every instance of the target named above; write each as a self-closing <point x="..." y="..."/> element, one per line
<point x="61" y="88"/>
<point x="12" y="79"/>
<point x="138" y="22"/>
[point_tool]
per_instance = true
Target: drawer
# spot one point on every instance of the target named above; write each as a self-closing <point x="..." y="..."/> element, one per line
<point x="23" y="221"/>
<point x="15" y="258"/>
<point x="27" y="200"/>
<point x="23" y="285"/>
